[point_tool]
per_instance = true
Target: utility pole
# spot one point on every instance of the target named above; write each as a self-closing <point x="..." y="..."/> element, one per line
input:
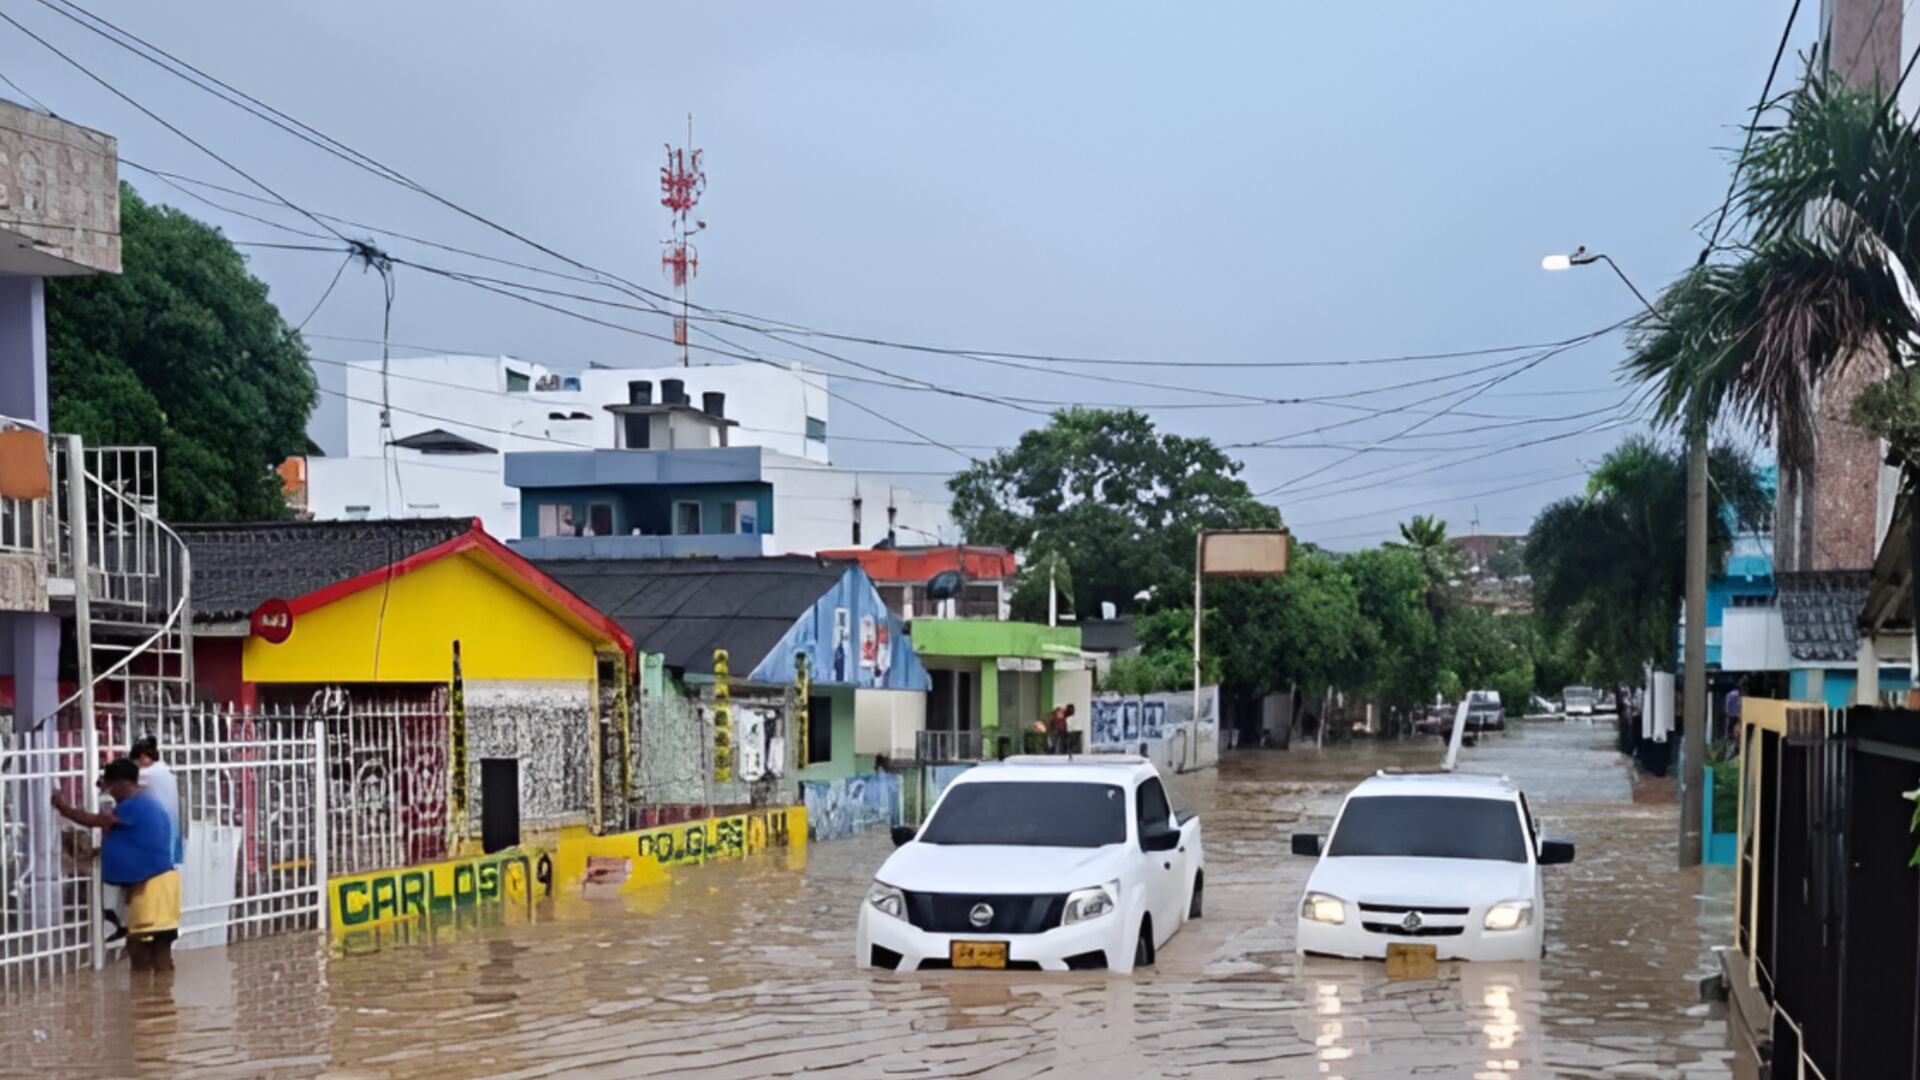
<point x="682" y="181"/>
<point x="1693" y="740"/>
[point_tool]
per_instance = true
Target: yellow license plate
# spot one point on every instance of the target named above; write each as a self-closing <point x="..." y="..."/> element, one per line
<point x="1412" y="961"/>
<point x="979" y="954"/>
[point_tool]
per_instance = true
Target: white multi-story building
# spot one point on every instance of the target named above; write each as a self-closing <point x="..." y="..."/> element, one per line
<point x="431" y="438"/>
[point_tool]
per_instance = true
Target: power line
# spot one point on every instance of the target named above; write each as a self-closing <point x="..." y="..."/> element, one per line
<point x="1431" y="502"/>
<point x="156" y="118"/>
<point x="1766" y="91"/>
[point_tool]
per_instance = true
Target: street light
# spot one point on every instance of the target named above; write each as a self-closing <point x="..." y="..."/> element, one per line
<point x="1693" y="742"/>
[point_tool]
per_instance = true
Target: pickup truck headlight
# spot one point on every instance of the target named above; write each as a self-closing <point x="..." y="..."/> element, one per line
<point x="1085" y="904"/>
<point x="1319" y="907"/>
<point x="887" y="900"/>
<point x="1511" y="915"/>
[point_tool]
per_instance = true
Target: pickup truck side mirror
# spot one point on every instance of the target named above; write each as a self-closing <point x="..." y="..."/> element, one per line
<point x="903" y="834"/>
<point x="1306" y="843"/>
<point x="1555" y="852"/>
<point x="1161" y="839"/>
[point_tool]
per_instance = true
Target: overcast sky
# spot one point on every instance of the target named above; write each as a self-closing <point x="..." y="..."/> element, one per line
<point x="1160" y="182"/>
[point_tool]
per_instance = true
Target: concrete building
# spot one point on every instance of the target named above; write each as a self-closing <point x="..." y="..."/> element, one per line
<point x="951" y="581"/>
<point x="700" y="496"/>
<point x="59" y="217"/>
<point x="991" y="682"/>
<point x="453" y="419"/>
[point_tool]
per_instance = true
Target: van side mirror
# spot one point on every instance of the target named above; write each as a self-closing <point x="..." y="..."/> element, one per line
<point x="1555" y="852"/>
<point x="1306" y="843"/>
<point x="903" y="834"/>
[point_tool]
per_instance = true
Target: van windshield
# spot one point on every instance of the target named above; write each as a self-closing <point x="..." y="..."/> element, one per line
<point x="1430" y="827"/>
<point x="1030" y="814"/>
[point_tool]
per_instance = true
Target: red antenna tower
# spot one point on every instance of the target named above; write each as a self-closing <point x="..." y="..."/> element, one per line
<point x="682" y="181"/>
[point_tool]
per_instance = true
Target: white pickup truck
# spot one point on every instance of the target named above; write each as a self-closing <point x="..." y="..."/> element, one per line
<point x="1038" y="863"/>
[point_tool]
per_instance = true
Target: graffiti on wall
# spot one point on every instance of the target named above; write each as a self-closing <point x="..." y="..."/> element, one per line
<point x="1123" y="723"/>
<point x="856" y="804"/>
<point x="626" y="861"/>
<point x="548" y="727"/>
<point x="851" y="639"/>
<point x="363" y="901"/>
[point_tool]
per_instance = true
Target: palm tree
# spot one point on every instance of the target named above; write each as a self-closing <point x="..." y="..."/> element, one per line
<point x="1426" y="536"/>
<point x="1831" y="203"/>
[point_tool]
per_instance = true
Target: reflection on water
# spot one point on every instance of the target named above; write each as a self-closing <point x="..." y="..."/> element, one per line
<point x="744" y="970"/>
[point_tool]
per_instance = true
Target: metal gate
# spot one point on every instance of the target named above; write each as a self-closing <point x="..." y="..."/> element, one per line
<point x="252" y="803"/>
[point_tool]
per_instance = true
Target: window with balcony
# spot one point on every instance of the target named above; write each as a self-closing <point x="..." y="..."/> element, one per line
<point x="600" y="519"/>
<point x="557" y="519"/>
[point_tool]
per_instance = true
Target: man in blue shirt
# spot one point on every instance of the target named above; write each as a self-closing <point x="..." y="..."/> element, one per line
<point x="136" y="854"/>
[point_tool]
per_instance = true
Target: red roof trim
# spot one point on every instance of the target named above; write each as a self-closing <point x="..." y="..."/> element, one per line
<point x="475" y="539"/>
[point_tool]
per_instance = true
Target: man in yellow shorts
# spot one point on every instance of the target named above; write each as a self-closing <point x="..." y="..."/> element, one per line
<point x="136" y="854"/>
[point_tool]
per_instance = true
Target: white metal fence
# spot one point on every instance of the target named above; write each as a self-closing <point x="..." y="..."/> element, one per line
<point x="252" y="800"/>
<point x="387" y="781"/>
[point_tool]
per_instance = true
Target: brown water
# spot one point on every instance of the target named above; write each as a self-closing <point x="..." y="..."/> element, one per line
<point x="746" y="970"/>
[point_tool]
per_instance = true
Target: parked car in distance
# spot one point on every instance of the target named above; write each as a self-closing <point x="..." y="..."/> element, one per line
<point x="1048" y="863"/>
<point x="1485" y="711"/>
<point x="1577" y="700"/>
<point x="1437" y="720"/>
<point x="1443" y="859"/>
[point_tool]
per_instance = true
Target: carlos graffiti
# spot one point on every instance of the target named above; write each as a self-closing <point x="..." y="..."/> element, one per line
<point x="722" y="838"/>
<point x="386" y="896"/>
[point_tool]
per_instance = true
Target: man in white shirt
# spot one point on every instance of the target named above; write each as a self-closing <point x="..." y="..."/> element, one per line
<point x="157" y="780"/>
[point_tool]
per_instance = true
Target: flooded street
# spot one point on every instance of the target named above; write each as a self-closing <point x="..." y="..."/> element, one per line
<point x="745" y="969"/>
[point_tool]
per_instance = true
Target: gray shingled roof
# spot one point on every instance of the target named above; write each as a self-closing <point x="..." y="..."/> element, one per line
<point x="1821" y="610"/>
<point x="683" y="609"/>
<point x="238" y="566"/>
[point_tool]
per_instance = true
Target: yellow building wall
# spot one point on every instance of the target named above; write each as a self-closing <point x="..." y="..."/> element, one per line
<point x="503" y="633"/>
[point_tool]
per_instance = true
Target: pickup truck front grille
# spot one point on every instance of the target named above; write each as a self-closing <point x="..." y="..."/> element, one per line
<point x="952" y="913"/>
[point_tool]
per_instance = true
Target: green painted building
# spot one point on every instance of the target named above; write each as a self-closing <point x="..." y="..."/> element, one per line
<point x="993" y="681"/>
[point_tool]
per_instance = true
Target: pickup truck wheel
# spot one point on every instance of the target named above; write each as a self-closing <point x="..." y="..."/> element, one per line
<point x="1143" y="946"/>
<point x="1195" y="905"/>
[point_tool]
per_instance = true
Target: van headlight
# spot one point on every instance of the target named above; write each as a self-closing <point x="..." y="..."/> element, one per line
<point x="1511" y="915"/>
<point x="887" y="900"/>
<point x="1319" y="907"/>
<point x="1086" y="904"/>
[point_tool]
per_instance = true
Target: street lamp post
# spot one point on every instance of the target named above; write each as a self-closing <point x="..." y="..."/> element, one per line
<point x="1693" y="740"/>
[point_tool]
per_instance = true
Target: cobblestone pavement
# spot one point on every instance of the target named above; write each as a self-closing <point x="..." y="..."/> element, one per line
<point x="745" y="970"/>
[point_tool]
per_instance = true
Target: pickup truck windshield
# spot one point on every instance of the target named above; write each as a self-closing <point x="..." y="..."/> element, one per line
<point x="1030" y="814"/>
<point x="1431" y="827"/>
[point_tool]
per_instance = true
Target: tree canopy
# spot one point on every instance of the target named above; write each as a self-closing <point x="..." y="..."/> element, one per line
<point x="182" y="351"/>
<point x="1119" y="500"/>
<point x="1611" y="564"/>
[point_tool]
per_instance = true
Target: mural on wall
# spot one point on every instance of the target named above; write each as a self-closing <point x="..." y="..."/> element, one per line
<point x="626" y="861"/>
<point x="548" y="727"/>
<point x="1123" y="723"/>
<point x="852" y="639"/>
<point x="363" y="901"/>
<point x="856" y="804"/>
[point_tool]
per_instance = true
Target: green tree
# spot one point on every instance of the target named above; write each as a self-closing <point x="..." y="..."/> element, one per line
<point x="1485" y="651"/>
<point x="1391" y="587"/>
<point x="182" y="351"/>
<point x="1165" y="660"/>
<point x="1508" y="561"/>
<point x="1611" y="565"/>
<point x="1119" y="500"/>
<point x="1441" y="561"/>
<point x="1305" y="628"/>
<point x="1030" y="594"/>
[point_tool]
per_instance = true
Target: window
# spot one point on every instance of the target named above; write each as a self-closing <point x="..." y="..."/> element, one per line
<point x="556" y="519"/>
<point x="819" y="746"/>
<point x="1751" y="601"/>
<point x="517" y="381"/>
<point x="600" y="519"/>
<point x="1430" y="827"/>
<point x="357" y="513"/>
<point x="1030" y="813"/>
<point x="746" y="516"/>
<point x="729" y="513"/>
<point x="1151" y="811"/>
<point x="686" y="519"/>
<point x="816" y="430"/>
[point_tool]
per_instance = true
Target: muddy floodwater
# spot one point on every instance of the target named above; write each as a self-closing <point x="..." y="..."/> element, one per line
<point x="745" y="969"/>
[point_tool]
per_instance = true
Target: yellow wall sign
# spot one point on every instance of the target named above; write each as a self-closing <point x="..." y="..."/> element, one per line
<point x="362" y="901"/>
<point x="647" y="855"/>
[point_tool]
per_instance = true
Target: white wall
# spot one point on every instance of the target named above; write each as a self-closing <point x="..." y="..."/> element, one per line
<point x="417" y="486"/>
<point x="813" y="507"/>
<point x="884" y="721"/>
